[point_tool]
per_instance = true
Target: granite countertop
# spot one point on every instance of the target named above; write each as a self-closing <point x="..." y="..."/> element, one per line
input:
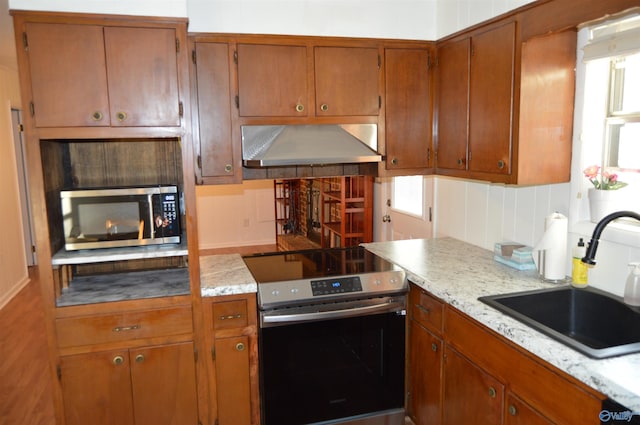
<point x="458" y="273"/>
<point x="225" y="274"/>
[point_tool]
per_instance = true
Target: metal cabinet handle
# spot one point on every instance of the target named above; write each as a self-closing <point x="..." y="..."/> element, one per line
<point x="240" y="346"/>
<point x="492" y="392"/>
<point x="324" y="107"/>
<point x="97" y="116"/>
<point x="461" y="161"/>
<point x="121" y="116"/>
<point x="125" y="328"/>
<point x="231" y="316"/>
<point x="434" y="347"/>
<point x="394" y="161"/>
<point x="118" y="360"/>
<point x="512" y="410"/>
<point x="299" y="107"/>
<point x="501" y="164"/>
<point x="228" y="168"/>
<point x="139" y="358"/>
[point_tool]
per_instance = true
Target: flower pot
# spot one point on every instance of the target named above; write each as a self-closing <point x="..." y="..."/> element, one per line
<point x="604" y="202"/>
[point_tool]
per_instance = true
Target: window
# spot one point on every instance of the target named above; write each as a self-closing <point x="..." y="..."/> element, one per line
<point x="408" y="195"/>
<point x="622" y="142"/>
<point x="611" y="115"/>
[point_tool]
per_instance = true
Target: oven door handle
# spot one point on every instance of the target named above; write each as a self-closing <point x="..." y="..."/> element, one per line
<point x="334" y="314"/>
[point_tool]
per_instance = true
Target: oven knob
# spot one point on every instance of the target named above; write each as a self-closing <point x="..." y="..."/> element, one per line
<point x="275" y="292"/>
<point x="393" y="281"/>
<point x="378" y="282"/>
<point x="294" y="290"/>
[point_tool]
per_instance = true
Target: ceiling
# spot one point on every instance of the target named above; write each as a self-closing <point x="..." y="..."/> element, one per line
<point x="7" y="46"/>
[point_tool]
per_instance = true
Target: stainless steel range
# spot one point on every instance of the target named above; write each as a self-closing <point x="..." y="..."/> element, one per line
<point x="332" y="337"/>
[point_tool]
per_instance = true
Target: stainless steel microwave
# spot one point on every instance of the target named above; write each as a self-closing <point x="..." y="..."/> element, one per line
<point x="131" y="216"/>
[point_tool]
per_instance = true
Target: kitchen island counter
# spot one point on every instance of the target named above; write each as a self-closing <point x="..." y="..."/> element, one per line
<point x="458" y="273"/>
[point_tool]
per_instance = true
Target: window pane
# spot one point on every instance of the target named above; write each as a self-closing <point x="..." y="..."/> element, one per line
<point x="624" y="146"/>
<point x="626" y="85"/>
<point x="407" y="194"/>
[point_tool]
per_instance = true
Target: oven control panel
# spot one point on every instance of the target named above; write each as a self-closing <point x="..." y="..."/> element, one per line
<point x="338" y="285"/>
<point x="308" y="291"/>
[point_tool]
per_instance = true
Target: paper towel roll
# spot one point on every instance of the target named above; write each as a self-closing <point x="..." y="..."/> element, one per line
<point x="552" y="263"/>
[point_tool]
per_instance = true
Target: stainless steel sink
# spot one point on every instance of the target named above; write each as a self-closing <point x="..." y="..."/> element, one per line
<point x="591" y="321"/>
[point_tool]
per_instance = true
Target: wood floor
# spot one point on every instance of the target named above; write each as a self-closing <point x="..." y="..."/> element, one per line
<point x="25" y="381"/>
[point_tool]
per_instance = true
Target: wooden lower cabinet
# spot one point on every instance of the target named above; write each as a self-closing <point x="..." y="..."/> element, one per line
<point x="517" y="412"/>
<point x="148" y="385"/>
<point x="461" y="372"/>
<point x="231" y="332"/>
<point x="425" y="358"/>
<point x="233" y="380"/>
<point x="471" y="395"/>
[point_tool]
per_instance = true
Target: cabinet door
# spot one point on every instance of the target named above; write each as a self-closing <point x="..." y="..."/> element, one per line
<point x="452" y="82"/>
<point x="520" y="413"/>
<point x="471" y="396"/>
<point x="164" y="385"/>
<point x="96" y="388"/>
<point x="214" y="110"/>
<point x="425" y="374"/>
<point x="233" y="385"/>
<point x="408" y="112"/>
<point x="347" y="81"/>
<point x="491" y="100"/>
<point x="68" y="77"/>
<point x="272" y="80"/>
<point x="142" y="72"/>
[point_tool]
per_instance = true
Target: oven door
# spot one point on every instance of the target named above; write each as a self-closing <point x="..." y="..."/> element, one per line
<point x="332" y="368"/>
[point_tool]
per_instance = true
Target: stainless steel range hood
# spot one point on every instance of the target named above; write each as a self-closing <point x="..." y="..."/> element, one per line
<point x="282" y="145"/>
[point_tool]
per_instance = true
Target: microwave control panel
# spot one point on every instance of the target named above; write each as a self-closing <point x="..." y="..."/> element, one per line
<point x="166" y="215"/>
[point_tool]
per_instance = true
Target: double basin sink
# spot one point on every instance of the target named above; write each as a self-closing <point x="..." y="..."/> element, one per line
<point x="591" y="321"/>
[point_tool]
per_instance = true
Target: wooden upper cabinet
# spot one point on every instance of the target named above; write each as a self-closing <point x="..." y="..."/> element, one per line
<point x="219" y="157"/>
<point x="68" y="75"/>
<point x="452" y="85"/>
<point x="502" y="104"/>
<point x="272" y="80"/>
<point x="88" y="75"/>
<point x="491" y="100"/>
<point x="279" y="81"/>
<point x="142" y="72"/>
<point x="346" y="81"/>
<point x="408" y="108"/>
<point x="547" y="92"/>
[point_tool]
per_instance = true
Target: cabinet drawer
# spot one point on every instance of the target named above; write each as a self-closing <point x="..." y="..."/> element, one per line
<point x="230" y="314"/>
<point x="101" y="329"/>
<point x="425" y="309"/>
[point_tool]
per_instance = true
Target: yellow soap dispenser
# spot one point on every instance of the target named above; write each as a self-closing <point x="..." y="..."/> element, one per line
<point x="579" y="272"/>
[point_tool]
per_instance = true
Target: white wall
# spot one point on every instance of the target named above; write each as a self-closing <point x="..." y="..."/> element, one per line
<point x="13" y="264"/>
<point x="405" y="19"/>
<point x="175" y="8"/>
<point x="236" y="215"/>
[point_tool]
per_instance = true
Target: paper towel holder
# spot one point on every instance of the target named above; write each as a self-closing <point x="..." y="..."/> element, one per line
<point x="541" y="270"/>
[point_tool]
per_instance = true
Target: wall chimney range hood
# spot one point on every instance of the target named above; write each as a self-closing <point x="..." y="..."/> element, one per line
<point x="285" y="145"/>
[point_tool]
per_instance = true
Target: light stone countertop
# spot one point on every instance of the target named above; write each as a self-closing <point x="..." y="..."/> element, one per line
<point x="458" y="273"/>
<point x="225" y="275"/>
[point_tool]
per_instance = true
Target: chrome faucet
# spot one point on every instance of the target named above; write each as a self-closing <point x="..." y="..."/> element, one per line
<point x="590" y="256"/>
